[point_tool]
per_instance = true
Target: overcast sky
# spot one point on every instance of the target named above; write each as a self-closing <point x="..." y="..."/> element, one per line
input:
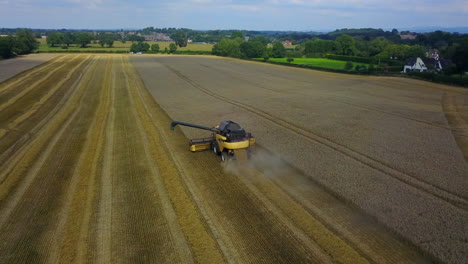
<point x="233" y="14"/>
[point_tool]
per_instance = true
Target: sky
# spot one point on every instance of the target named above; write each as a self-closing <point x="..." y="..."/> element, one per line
<point x="300" y="15"/>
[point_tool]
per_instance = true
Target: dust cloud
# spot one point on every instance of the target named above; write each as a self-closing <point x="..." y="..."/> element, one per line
<point x="270" y="165"/>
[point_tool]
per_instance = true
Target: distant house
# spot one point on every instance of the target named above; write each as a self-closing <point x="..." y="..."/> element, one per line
<point x="409" y="36"/>
<point x="287" y="43"/>
<point x="151" y="38"/>
<point x="427" y="64"/>
<point x="158" y="37"/>
<point x="415" y="64"/>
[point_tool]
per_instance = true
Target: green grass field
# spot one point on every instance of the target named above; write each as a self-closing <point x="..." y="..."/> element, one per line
<point x="119" y="46"/>
<point x="318" y="62"/>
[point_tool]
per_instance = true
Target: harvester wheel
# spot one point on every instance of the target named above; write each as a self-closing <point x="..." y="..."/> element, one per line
<point x="224" y="156"/>
<point x="216" y="148"/>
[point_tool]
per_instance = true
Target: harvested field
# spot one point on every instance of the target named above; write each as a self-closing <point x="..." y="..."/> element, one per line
<point x="12" y="67"/>
<point x="383" y="145"/>
<point x="90" y="172"/>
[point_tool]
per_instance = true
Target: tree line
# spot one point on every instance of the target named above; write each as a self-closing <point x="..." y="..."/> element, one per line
<point x="65" y="39"/>
<point x="256" y="47"/>
<point x="374" y="45"/>
<point x="23" y="42"/>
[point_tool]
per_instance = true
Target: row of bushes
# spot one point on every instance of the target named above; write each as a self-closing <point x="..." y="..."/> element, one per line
<point x="81" y="51"/>
<point x="360" y="69"/>
<point x="182" y="52"/>
<point x="440" y="78"/>
<point x="193" y="52"/>
<point x="308" y="66"/>
<point x="366" y="60"/>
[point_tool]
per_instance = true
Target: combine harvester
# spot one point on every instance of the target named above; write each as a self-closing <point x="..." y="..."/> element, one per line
<point x="228" y="140"/>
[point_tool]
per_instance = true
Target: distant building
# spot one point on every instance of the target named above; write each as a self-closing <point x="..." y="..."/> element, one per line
<point x="158" y="37"/>
<point x="427" y="64"/>
<point x="416" y="64"/>
<point x="409" y="36"/>
<point x="287" y="43"/>
<point x="150" y="38"/>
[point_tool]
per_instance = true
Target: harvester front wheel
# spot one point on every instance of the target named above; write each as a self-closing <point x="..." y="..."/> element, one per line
<point x="216" y="148"/>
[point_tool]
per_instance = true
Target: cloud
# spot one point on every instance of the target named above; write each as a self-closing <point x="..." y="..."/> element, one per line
<point x="89" y="3"/>
<point x="248" y="8"/>
<point x="241" y="14"/>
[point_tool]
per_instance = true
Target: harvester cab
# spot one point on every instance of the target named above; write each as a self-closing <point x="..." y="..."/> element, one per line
<point x="228" y="140"/>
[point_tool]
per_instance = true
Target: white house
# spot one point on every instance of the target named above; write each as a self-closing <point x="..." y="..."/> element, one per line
<point x="415" y="65"/>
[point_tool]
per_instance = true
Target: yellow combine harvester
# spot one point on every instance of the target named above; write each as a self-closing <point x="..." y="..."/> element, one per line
<point x="227" y="140"/>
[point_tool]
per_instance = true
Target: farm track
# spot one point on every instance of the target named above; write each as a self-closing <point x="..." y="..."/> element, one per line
<point x="451" y="198"/>
<point x="90" y="173"/>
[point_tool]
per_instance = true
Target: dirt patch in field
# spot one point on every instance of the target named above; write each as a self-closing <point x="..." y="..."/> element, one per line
<point x="12" y="67"/>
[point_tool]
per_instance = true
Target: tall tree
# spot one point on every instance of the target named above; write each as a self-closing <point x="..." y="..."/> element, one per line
<point x="414" y="51"/>
<point x="155" y="47"/>
<point x="237" y="34"/>
<point x="318" y="46"/>
<point x="227" y="47"/>
<point x="278" y="50"/>
<point x="347" y="44"/>
<point x="26" y="41"/>
<point x="101" y="37"/>
<point x="252" y="49"/>
<point x="7" y="47"/>
<point x="83" y="39"/>
<point x="54" y="38"/>
<point x="68" y="38"/>
<point x="148" y="30"/>
<point x="180" y="38"/>
<point x="460" y="57"/>
<point x="264" y="40"/>
<point x="378" y="45"/>
<point x="140" y="46"/>
<point x="109" y="40"/>
<point x="172" y="47"/>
